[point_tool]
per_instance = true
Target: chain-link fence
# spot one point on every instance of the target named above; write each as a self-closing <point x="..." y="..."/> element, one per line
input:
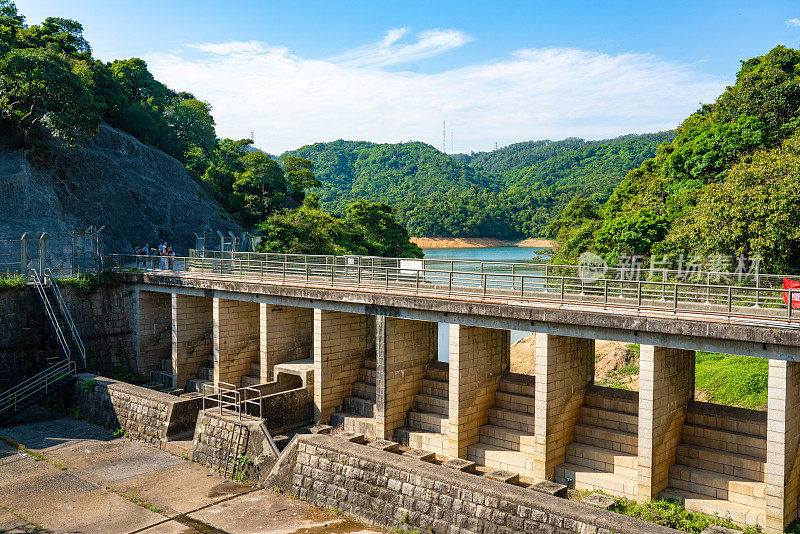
<point x="66" y="254"/>
<point x="229" y="242"/>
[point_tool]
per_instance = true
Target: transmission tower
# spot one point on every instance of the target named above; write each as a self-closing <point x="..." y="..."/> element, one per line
<point x="444" y="137"/>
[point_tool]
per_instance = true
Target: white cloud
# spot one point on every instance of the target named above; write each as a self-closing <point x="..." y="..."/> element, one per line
<point x="793" y="22"/>
<point x="387" y="51"/>
<point x="535" y="93"/>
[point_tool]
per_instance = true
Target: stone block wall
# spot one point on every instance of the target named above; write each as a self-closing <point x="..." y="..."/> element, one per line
<point x="145" y="415"/>
<point x="340" y="346"/>
<point x="223" y="440"/>
<point x="236" y="339"/>
<point x="783" y="439"/>
<point x="665" y="389"/>
<point x="287" y="334"/>
<point x="564" y="369"/>
<point x="391" y="490"/>
<point x="192" y="342"/>
<point x="478" y="358"/>
<point x="404" y="348"/>
<point x="104" y="317"/>
<point x="154" y="334"/>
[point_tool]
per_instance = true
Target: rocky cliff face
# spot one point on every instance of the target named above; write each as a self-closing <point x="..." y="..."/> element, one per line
<point x="138" y="192"/>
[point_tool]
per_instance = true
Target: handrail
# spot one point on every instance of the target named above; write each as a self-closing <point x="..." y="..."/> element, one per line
<point x="11" y="398"/>
<point x="76" y="338"/>
<point x="617" y="273"/>
<point x="51" y="316"/>
<point x="664" y="296"/>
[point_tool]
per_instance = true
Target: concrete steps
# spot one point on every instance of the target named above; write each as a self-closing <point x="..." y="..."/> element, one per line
<point x="422" y="439"/>
<point x="720" y="463"/>
<point x="728" y="463"/>
<point x="249" y="381"/>
<point x="498" y="457"/>
<point x="354" y="423"/>
<point x="696" y="502"/>
<point x="713" y="484"/>
<point x="196" y="384"/>
<point x="427" y="423"/>
<point x="604" y="451"/>
<point x="358" y="409"/>
<point x="508" y="438"/>
<point x="508" y="441"/>
<point x="586" y="478"/>
<point x="601" y="459"/>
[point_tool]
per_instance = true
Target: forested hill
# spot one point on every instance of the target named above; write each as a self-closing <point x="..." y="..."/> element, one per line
<point x="727" y="185"/>
<point x="353" y="170"/>
<point x="512" y="192"/>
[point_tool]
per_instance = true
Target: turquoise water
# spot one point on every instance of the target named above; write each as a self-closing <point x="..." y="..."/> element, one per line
<point x="512" y="254"/>
<point x="483" y="253"/>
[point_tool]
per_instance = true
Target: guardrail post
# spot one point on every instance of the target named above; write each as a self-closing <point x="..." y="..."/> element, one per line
<point x="450" y="285"/>
<point x="562" y="289"/>
<point x="639" y="297"/>
<point x="522" y="287"/>
<point x="605" y="293"/>
<point x="484" y="282"/>
<point x="730" y="303"/>
<point x="417" y="281"/>
<point x="791" y="302"/>
<point x="675" y="302"/>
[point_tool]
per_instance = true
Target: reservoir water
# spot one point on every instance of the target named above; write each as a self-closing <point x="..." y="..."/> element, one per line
<point x="502" y="254"/>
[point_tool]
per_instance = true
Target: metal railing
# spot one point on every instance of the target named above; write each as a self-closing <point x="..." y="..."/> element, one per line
<point x="508" y="283"/>
<point x="76" y="338"/>
<point x="51" y="316"/>
<point x="693" y="275"/>
<point x="11" y="398"/>
<point x="228" y="397"/>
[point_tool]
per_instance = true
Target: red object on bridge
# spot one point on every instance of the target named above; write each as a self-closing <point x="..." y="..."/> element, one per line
<point x="791" y="284"/>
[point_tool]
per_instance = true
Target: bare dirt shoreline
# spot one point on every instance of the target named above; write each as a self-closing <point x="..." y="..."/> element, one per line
<point x="470" y="242"/>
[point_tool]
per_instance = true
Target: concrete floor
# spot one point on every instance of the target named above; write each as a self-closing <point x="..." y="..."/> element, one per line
<point x="91" y="481"/>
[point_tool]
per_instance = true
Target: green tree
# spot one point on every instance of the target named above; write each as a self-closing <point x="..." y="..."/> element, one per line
<point x="383" y="235"/>
<point x="38" y="87"/>
<point x="261" y="187"/>
<point x="300" y="176"/>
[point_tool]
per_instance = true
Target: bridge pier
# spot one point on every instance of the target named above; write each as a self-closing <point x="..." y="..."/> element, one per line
<point x="192" y="340"/>
<point x="403" y="349"/>
<point x="287" y="334"/>
<point x="478" y="358"/>
<point x="341" y="346"/>
<point x="236" y="339"/>
<point x="666" y="385"/>
<point x="783" y="439"/>
<point x="564" y="369"/>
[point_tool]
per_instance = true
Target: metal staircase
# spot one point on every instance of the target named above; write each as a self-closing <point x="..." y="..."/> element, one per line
<point x="58" y="374"/>
<point x="36" y="388"/>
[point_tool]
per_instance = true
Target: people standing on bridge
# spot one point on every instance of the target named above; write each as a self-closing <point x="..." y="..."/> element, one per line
<point x="171" y="256"/>
<point x="154" y="255"/>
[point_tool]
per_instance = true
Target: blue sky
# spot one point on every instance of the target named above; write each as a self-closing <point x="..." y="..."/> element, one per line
<point x="296" y="72"/>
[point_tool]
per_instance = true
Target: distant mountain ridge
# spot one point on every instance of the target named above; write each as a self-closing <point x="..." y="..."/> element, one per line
<point x="511" y="192"/>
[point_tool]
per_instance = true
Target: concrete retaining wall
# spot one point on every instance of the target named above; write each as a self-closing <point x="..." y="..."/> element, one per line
<point x="104" y="318"/>
<point x="145" y="415"/>
<point x="391" y="490"/>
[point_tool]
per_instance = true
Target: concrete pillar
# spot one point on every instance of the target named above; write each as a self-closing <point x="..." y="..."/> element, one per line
<point x="404" y="349"/>
<point x="236" y="338"/>
<point x="153" y="338"/>
<point x="192" y="343"/>
<point x="782" y="470"/>
<point x="340" y="346"/>
<point x="478" y="358"/>
<point x="564" y="368"/>
<point x="666" y="385"/>
<point x="287" y="334"/>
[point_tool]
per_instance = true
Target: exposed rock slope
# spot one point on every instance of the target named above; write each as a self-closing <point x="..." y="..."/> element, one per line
<point x="138" y="192"/>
